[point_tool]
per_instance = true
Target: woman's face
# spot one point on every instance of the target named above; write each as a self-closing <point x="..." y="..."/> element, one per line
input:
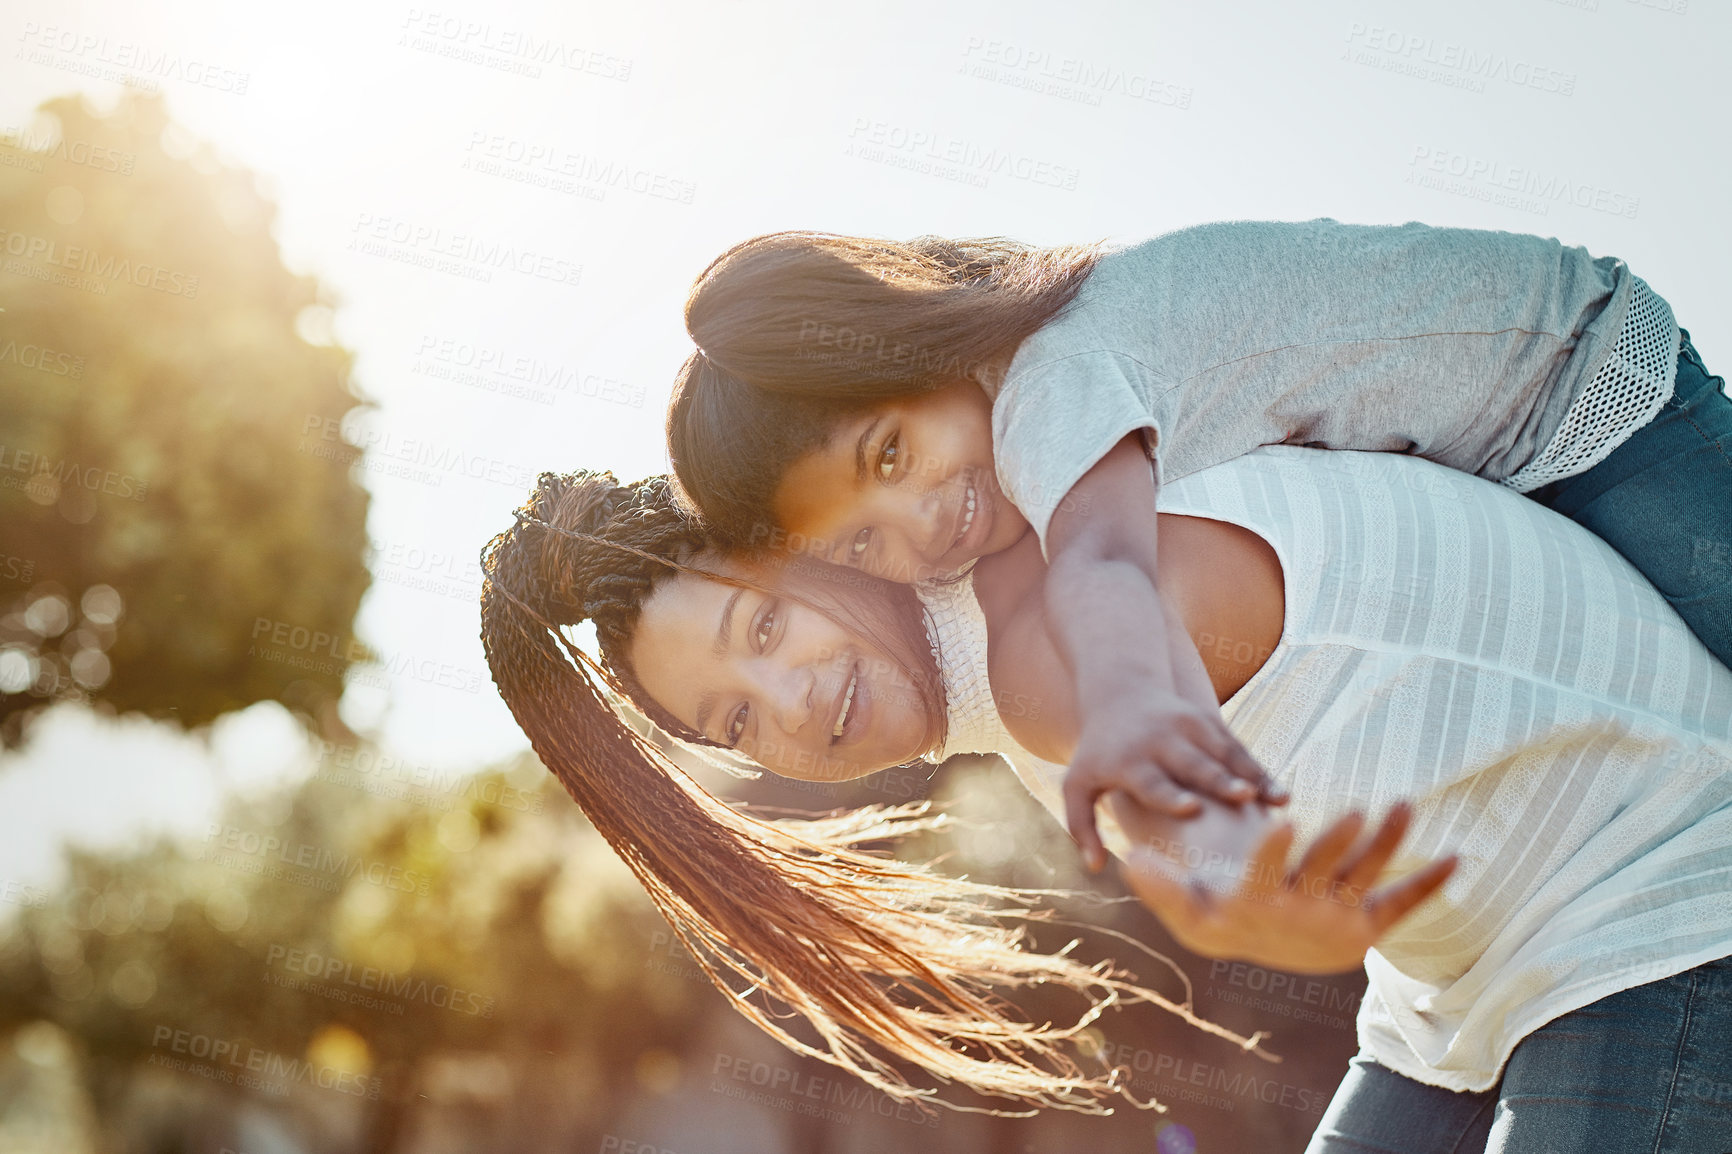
<point x="774" y="678"/>
<point x="905" y="491"/>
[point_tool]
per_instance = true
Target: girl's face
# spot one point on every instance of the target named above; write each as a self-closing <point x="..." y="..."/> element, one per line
<point x="774" y="678"/>
<point x="905" y="491"/>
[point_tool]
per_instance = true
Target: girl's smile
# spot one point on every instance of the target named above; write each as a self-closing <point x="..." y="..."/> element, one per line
<point x="906" y="491"/>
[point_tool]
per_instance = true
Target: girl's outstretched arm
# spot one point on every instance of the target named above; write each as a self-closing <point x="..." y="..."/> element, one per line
<point x="1149" y="722"/>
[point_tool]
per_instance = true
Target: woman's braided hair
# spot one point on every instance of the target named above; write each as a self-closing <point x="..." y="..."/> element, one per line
<point x="883" y="958"/>
<point x="622" y="540"/>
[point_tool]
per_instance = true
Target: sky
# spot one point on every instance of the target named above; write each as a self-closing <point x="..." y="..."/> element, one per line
<point x="616" y="149"/>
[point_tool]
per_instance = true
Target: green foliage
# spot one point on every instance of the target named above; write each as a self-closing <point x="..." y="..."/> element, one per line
<point x="154" y="393"/>
<point x="416" y="924"/>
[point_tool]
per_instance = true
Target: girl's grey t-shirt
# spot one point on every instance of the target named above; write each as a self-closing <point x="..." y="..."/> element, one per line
<point x="1463" y="346"/>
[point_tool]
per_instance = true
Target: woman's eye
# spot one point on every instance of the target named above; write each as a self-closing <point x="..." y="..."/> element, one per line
<point x="888" y="455"/>
<point x="857" y="547"/>
<point x="736" y="725"/>
<point x="766" y="624"/>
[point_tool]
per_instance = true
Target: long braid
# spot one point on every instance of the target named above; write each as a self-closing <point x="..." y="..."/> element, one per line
<point x="884" y="958"/>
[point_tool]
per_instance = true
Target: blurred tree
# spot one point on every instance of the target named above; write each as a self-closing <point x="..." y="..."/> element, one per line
<point x="478" y="913"/>
<point x="162" y="375"/>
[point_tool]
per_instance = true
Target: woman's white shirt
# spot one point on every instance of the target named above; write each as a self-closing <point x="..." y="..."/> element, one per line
<point x="1553" y="720"/>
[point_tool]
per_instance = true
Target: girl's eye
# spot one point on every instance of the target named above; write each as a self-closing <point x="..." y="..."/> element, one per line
<point x="857" y="547"/>
<point x="888" y="455"/>
<point x="736" y="726"/>
<point x="766" y="623"/>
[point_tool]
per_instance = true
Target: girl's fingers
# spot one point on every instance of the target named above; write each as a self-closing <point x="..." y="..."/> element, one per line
<point x="1226" y="749"/>
<point x="1190" y="766"/>
<point x="1164" y="795"/>
<point x="1269" y="862"/>
<point x="1392" y="903"/>
<point x="1361" y="870"/>
<point x="1079" y="816"/>
<point x="1323" y="855"/>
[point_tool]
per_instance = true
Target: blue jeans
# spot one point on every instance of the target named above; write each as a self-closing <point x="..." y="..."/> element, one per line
<point x="1663" y="499"/>
<point x="1646" y="1070"/>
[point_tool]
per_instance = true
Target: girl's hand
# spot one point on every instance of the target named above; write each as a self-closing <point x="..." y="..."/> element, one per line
<point x="1318" y="918"/>
<point x="1158" y="748"/>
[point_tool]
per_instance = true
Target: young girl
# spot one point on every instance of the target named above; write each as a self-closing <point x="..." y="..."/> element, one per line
<point x="829" y="402"/>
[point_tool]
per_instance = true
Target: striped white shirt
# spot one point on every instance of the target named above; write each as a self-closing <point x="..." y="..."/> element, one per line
<point x="1553" y="720"/>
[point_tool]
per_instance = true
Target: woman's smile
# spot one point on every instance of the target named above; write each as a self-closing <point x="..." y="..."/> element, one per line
<point x="771" y="676"/>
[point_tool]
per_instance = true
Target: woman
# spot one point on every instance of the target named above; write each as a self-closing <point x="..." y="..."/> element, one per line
<point x="882" y="958"/>
<point x="1460" y="992"/>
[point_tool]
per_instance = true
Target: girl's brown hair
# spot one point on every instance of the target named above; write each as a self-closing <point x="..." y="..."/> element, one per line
<point x="884" y="959"/>
<point x="797" y="331"/>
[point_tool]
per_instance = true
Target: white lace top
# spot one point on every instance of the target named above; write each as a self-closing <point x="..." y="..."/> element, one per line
<point x="1553" y="720"/>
